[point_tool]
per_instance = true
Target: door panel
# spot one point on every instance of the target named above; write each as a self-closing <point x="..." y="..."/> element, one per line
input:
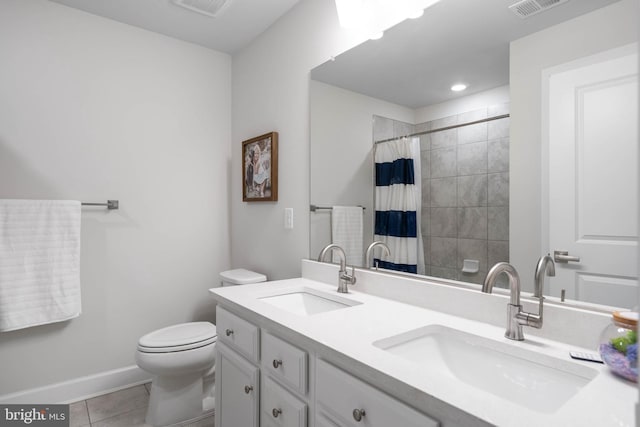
<point x="593" y="176"/>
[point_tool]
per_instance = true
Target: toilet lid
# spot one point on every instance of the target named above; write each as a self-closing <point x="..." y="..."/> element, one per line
<point x="184" y="336"/>
<point x="240" y="276"/>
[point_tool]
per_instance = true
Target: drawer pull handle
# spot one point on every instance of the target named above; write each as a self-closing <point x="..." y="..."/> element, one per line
<point x="277" y="363"/>
<point x="358" y="414"/>
<point x="276" y="412"/>
<point x="229" y="332"/>
<point x="248" y="389"/>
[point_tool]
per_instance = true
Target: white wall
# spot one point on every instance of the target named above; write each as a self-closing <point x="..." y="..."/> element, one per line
<point x="495" y="96"/>
<point x="341" y="166"/>
<point x="271" y="93"/>
<point x="92" y="109"/>
<point x="603" y="29"/>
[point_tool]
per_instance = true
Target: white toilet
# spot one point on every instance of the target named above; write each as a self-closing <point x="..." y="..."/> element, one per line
<point x="181" y="358"/>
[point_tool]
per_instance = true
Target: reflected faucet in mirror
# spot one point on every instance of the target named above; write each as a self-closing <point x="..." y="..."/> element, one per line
<point x="516" y="317"/>
<point x="545" y="266"/>
<point x="370" y="249"/>
<point x="344" y="278"/>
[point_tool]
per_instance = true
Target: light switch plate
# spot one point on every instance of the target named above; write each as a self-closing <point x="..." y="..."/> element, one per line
<point x="288" y="218"/>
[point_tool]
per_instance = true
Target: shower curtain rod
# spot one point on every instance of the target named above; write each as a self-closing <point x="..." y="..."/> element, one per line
<point x="503" y="116"/>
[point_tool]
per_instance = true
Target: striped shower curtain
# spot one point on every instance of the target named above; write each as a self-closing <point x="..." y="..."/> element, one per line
<point x="398" y="202"/>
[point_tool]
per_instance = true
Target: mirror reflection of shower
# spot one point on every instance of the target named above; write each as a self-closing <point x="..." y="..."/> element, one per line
<point x="464" y="180"/>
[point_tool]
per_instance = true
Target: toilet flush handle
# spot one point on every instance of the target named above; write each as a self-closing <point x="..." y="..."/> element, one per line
<point x="229" y="332"/>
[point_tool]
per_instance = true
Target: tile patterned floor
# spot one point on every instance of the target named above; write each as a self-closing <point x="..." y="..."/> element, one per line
<point x="124" y="408"/>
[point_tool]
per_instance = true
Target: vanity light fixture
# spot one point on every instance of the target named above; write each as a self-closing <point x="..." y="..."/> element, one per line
<point x="458" y="87"/>
<point x="375" y="16"/>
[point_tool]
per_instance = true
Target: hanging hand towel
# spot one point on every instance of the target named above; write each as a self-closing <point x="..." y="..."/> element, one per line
<point x="346" y="232"/>
<point x="39" y="262"/>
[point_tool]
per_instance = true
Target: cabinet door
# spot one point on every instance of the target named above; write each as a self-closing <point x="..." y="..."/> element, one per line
<point x="237" y="390"/>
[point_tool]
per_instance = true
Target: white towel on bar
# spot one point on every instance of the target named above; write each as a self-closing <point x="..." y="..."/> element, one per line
<point x="39" y="262"/>
<point x="346" y="232"/>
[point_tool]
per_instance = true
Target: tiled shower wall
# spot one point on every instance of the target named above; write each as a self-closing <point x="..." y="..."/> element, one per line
<point x="465" y="193"/>
<point x="465" y="190"/>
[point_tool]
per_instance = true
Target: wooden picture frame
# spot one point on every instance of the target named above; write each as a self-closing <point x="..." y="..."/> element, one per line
<point x="260" y="168"/>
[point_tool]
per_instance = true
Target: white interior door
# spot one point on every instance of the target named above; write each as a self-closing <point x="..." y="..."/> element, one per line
<point x="593" y="176"/>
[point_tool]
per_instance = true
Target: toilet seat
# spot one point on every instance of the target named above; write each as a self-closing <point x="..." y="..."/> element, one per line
<point x="181" y="337"/>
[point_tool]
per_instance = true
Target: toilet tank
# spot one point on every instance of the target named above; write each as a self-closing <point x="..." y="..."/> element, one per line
<point x="240" y="276"/>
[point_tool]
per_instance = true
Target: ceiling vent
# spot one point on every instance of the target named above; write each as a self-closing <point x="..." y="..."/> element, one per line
<point x="527" y="8"/>
<point x="212" y="8"/>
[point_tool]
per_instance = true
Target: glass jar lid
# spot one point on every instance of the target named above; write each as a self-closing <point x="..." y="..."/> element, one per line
<point x="626" y="319"/>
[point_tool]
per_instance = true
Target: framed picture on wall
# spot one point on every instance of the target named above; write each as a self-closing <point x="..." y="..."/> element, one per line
<point x="260" y="168"/>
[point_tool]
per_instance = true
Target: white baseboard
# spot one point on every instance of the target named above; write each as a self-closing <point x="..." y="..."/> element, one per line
<point x="80" y="388"/>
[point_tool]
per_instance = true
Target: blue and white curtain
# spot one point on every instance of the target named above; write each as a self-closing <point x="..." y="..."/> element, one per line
<point x="398" y="202"/>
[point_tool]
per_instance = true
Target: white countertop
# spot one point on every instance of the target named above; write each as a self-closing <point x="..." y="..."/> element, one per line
<point x="345" y="336"/>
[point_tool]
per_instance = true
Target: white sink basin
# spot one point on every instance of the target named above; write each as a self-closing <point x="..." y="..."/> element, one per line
<point x="530" y="379"/>
<point x="307" y="301"/>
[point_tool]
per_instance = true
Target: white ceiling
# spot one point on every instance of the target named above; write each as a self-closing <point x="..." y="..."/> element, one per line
<point x="417" y="61"/>
<point x="236" y="26"/>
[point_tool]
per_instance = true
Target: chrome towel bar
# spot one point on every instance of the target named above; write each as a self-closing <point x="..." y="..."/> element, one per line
<point x="111" y="204"/>
<point x="314" y="208"/>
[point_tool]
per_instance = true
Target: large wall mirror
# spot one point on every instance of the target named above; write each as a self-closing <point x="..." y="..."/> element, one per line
<point x="538" y="154"/>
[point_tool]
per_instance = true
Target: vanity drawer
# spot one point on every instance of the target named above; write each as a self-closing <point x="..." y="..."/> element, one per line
<point x="279" y="407"/>
<point x="238" y="334"/>
<point x="285" y="362"/>
<point x="347" y="399"/>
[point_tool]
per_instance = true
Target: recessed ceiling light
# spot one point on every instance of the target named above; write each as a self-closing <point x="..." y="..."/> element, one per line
<point x="377" y="36"/>
<point x="458" y="87"/>
<point x="415" y="15"/>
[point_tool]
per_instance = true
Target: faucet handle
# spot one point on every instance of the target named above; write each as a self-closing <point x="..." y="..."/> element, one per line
<point x="349" y="278"/>
<point x="352" y="279"/>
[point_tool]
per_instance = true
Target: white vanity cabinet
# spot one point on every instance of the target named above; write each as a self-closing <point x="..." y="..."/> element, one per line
<point x="263" y="380"/>
<point x="349" y="401"/>
<point x="237" y="389"/>
<point x="285" y="376"/>
<point x="237" y="373"/>
<point x="244" y="396"/>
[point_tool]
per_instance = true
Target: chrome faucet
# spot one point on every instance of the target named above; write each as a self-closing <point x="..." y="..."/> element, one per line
<point x="516" y="318"/>
<point x="545" y="266"/>
<point x="370" y="249"/>
<point x="344" y="278"/>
